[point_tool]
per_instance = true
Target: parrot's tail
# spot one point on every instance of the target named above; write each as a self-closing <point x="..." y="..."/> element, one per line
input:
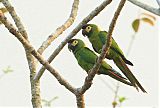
<point x="127" y="61"/>
<point x="116" y="75"/>
<point x="126" y="71"/>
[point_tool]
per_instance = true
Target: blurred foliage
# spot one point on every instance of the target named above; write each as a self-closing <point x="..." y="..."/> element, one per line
<point x="144" y="17"/>
<point x="147" y="20"/>
<point x="121" y="99"/>
<point x="5" y="71"/>
<point x="118" y="103"/>
<point x="135" y="25"/>
<point x="8" y="69"/>
<point x="48" y="103"/>
<point x="114" y="104"/>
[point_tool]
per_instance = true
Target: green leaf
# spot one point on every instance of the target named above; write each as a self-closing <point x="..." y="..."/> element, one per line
<point x="122" y="99"/>
<point x="4" y="10"/>
<point x="147" y="20"/>
<point x="135" y="25"/>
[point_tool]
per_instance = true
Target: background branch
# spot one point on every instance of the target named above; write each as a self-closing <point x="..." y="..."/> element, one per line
<point x="158" y="1"/>
<point x="146" y="7"/>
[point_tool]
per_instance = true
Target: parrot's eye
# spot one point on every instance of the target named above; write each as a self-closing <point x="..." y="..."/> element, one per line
<point x="88" y="28"/>
<point x="74" y="43"/>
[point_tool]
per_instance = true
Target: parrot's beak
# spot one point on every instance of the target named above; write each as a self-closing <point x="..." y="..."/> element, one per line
<point x="69" y="45"/>
<point x="84" y="32"/>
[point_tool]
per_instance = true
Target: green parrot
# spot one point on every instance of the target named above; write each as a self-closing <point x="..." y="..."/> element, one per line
<point x="87" y="58"/>
<point x="98" y="39"/>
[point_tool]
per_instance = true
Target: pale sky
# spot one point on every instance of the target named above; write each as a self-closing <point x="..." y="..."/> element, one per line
<point x="41" y="19"/>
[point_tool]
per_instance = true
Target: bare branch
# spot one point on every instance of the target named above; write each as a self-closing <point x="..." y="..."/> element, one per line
<point x="15" y="17"/>
<point x="89" y="78"/>
<point x="80" y="100"/>
<point x="94" y="13"/>
<point x="62" y="28"/>
<point x="146" y="7"/>
<point x="32" y="63"/>
<point x="28" y="46"/>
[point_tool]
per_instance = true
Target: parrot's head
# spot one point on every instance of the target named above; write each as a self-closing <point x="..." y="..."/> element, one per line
<point x="89" y="29"/>
<point x="75" y="44"/>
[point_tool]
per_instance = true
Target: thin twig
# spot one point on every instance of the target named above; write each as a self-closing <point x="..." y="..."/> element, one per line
<point x="94" y="13"/>
<point x="133" y="36"/>
<point x="116" y="94"/>
<point x="89" y="78"/>
<point x="62" y="28"/>
<point x="28" y="46"/>
<point x="146" y="7"/>
<point x="130" y="44"/>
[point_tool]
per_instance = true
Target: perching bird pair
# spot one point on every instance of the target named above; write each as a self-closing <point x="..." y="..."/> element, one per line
<point x="87" y="58"/>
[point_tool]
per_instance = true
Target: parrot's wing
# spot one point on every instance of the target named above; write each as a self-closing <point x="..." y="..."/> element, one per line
<point x="116" y="48"/>
<point x="114" y="45"/>
<point x="89" y="56"/>
<point x="102" y="35"/>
